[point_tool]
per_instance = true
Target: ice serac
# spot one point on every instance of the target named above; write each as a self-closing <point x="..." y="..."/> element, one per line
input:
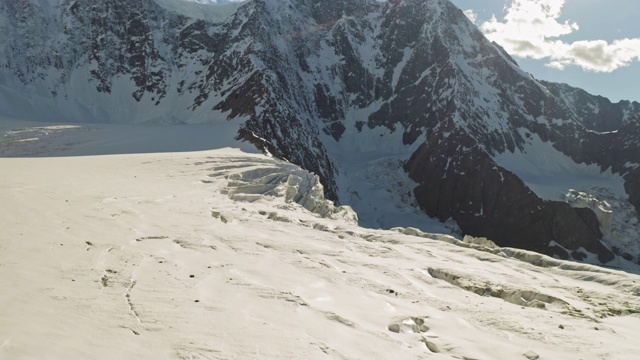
<point x="339" y="87"/>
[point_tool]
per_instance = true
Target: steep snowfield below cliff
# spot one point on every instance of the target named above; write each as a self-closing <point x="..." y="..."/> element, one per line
<point x="371" y="179"/>
<point x="201" y="9"/>
<point x="197" y="255"/>
<point x="550" y="173"/>
<point x="555" y="176"/>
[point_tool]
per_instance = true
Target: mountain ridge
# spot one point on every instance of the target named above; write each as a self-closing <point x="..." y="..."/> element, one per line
<point x="321" y="86"/>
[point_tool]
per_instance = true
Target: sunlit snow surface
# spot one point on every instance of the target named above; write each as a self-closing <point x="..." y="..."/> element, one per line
<point x="202" y="9"/>
<point x="551" y="174"/>
<point x="160" y="244"/>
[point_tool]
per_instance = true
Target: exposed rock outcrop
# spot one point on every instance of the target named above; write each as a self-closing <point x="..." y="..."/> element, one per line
<point x="459" y="180"/>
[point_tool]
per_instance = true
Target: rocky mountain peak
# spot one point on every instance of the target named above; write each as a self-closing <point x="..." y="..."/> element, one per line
<point x="338" y="87"/>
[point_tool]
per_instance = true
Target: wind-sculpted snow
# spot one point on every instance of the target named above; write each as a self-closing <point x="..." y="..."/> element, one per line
<point x="576" y="270"/>
<point x="201" y="255"/>
<point x="517" y="296"/>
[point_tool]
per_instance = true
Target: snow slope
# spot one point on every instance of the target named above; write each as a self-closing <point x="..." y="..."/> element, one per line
<point x="202" y="9"/>
<point x="174" y="254"/>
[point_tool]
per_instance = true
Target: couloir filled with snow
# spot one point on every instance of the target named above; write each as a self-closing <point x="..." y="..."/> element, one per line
<point x="125" y="242"/>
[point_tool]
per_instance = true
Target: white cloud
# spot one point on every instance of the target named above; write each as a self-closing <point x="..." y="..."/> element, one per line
<point x="471" y="15"/>
<point x="531" y="29"/>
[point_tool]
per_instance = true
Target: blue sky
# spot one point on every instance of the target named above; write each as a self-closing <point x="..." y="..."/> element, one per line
<point x="591" y="44"/>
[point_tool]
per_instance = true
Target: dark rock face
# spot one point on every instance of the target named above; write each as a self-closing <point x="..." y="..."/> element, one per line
<point x="632" y="187"/>
<point x="299" y="75"/>
<point x="459" y="180"/>
<point x="120" y="42"/>
<point x="625" y="150"/>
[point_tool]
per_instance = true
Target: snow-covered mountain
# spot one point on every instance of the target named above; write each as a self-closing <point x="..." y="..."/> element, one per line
<point x="399" y="107"/>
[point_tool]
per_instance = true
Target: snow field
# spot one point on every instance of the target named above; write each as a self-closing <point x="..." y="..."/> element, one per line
<point x="165" y="255"/>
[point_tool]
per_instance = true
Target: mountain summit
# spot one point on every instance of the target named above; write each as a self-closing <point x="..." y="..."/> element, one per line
<point x="402" y="108"/>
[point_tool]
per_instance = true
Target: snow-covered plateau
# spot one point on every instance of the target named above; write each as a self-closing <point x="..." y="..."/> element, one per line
<point x="120" y="242"/>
